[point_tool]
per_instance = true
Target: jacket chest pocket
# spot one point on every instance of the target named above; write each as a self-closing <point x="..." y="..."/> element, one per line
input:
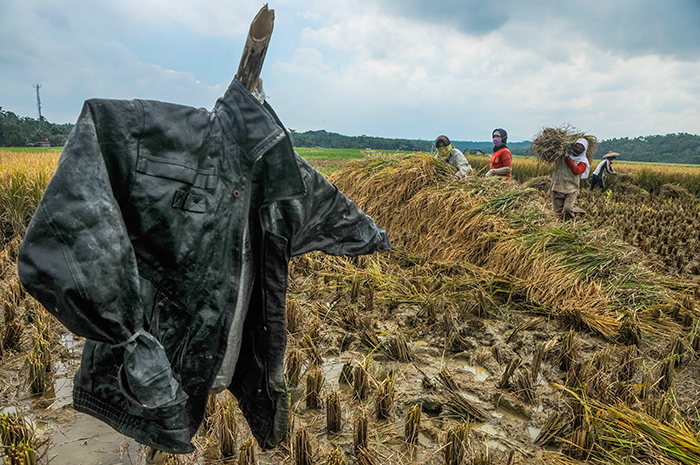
<point x="164" y="175"/>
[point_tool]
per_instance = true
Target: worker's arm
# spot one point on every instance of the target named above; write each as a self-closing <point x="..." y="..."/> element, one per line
<point x="609" y="169"/>
<point x="499" y="171"/>
<point x="576" y="168"/>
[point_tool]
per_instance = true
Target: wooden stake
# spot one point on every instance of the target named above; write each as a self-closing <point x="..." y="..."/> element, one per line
<point x="256" y="48"/>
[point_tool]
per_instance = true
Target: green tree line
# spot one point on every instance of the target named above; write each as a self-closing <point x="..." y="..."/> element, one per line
<point x="670" y="148"/>
<point x="17" y="131"/>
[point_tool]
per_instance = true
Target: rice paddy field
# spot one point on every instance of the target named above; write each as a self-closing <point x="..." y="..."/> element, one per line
<point x="492" y="333"/>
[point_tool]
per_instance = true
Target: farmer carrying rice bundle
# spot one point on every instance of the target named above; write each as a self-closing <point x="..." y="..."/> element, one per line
<point x="571" y="151"/>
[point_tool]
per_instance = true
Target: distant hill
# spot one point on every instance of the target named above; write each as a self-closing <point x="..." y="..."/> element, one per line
<point x="671" y="148"/>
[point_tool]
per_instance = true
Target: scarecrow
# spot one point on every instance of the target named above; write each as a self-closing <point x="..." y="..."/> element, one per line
<point x="453" y="156"/>
<point x="164" y="239"/>
<point x="603" y="168"/>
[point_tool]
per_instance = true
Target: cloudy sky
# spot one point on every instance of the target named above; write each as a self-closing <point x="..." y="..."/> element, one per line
<point x="390" y="68"/>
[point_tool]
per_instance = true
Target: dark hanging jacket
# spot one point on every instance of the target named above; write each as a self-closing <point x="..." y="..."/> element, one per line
<point x="138" y="245"/>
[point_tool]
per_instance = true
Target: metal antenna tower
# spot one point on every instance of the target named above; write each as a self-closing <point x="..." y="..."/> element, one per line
<point x="38" y="99"/>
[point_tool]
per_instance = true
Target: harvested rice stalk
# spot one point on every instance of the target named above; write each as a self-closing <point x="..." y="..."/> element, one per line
<point x="463" y="408"/>
<point x="335" y="457"/>
<point x="569" y="350"/>
<point x="246" y="453"/>
<point x="360" y="383"/>
<point x="37" y="372"/>
<point x="13" y="429"/>
<point x="694" y="342"/>
<point x="295" y="316"/>
<point x="370" y="338"/>
<point x="14" y="329"/>
<point x="360" y="432"/>
<point x="425" y="381"/>
<point x="412" y="424"/>
<point x="668" y="373"/>
<point x="312" y="353"/>
<point x="630" y="333"/>
<point x="346" y="376"/>
<point x="552" y="430"/>
<point x="20" y="454"/>
<point x="398" y="349"/>
<point x="525" y="388"/>
<point x="527" y="325"/>
<point x="348" y="317"/>
<point x="334" y="415"/>
<point x="303" y="453"/>
<point x="551" y="144"/>
<point x="510" y="369"/>
<point x="227" y="429"/>
<point x="456" y="444"/>
<point x="369" y="297"/>
<point x="314" y="382"/>
<point x="355" y="290"/>
<point x="365" y="457"/>
<point x="294" y="365"/>
<point x="537" y="360"/>
<point x="447" y="380"/>
<point x="677" y="351"/>
<point x="629" y="363"/>
<point x="385" y="398"/>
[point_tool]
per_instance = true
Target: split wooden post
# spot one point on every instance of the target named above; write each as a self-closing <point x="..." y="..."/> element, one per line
<point x="256" y="48"/>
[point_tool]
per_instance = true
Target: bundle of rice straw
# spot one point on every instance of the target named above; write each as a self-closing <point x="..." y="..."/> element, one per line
<point x="551" y="144"/>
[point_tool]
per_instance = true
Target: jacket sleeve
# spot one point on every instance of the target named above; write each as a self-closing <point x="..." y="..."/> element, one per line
<point x="331" y="222"/>
<point x="77" y="259"/>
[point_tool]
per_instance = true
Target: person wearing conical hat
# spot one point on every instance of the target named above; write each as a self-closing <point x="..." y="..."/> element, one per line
<point x="453" y="156"/>
<point x="603" y="168"/>
<point x="566" y="178"/>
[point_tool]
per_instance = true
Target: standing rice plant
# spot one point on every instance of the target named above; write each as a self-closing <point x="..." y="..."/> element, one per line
<point x="303" y="453"/>
<point x="385" y="397"/>
<point x="334" y="415"/>
<point x="246" y="453"/>
<point x="412" y="424"/>
<point x="456" y="445"/>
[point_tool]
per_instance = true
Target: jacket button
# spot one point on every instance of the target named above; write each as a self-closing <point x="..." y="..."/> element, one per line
<point x="235" y="194"/>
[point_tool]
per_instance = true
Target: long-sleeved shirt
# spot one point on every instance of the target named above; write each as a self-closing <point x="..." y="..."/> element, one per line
<point x="604" y="167"/>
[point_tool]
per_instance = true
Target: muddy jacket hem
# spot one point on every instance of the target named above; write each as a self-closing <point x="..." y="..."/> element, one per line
<point x="137" y="246"/>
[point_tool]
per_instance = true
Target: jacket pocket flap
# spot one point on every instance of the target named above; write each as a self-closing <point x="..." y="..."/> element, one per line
<point x="204" y="179"/>
<point x="189" y="201"/>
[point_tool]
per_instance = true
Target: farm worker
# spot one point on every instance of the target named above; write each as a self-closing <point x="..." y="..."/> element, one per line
<point x="603" y="168"/>
<point x="566" y="178"/>
<point x="448" y="153"/>
<point x="500" y="163"/>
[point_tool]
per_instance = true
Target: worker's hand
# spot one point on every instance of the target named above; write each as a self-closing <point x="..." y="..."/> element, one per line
<point x="489" y="173"/>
